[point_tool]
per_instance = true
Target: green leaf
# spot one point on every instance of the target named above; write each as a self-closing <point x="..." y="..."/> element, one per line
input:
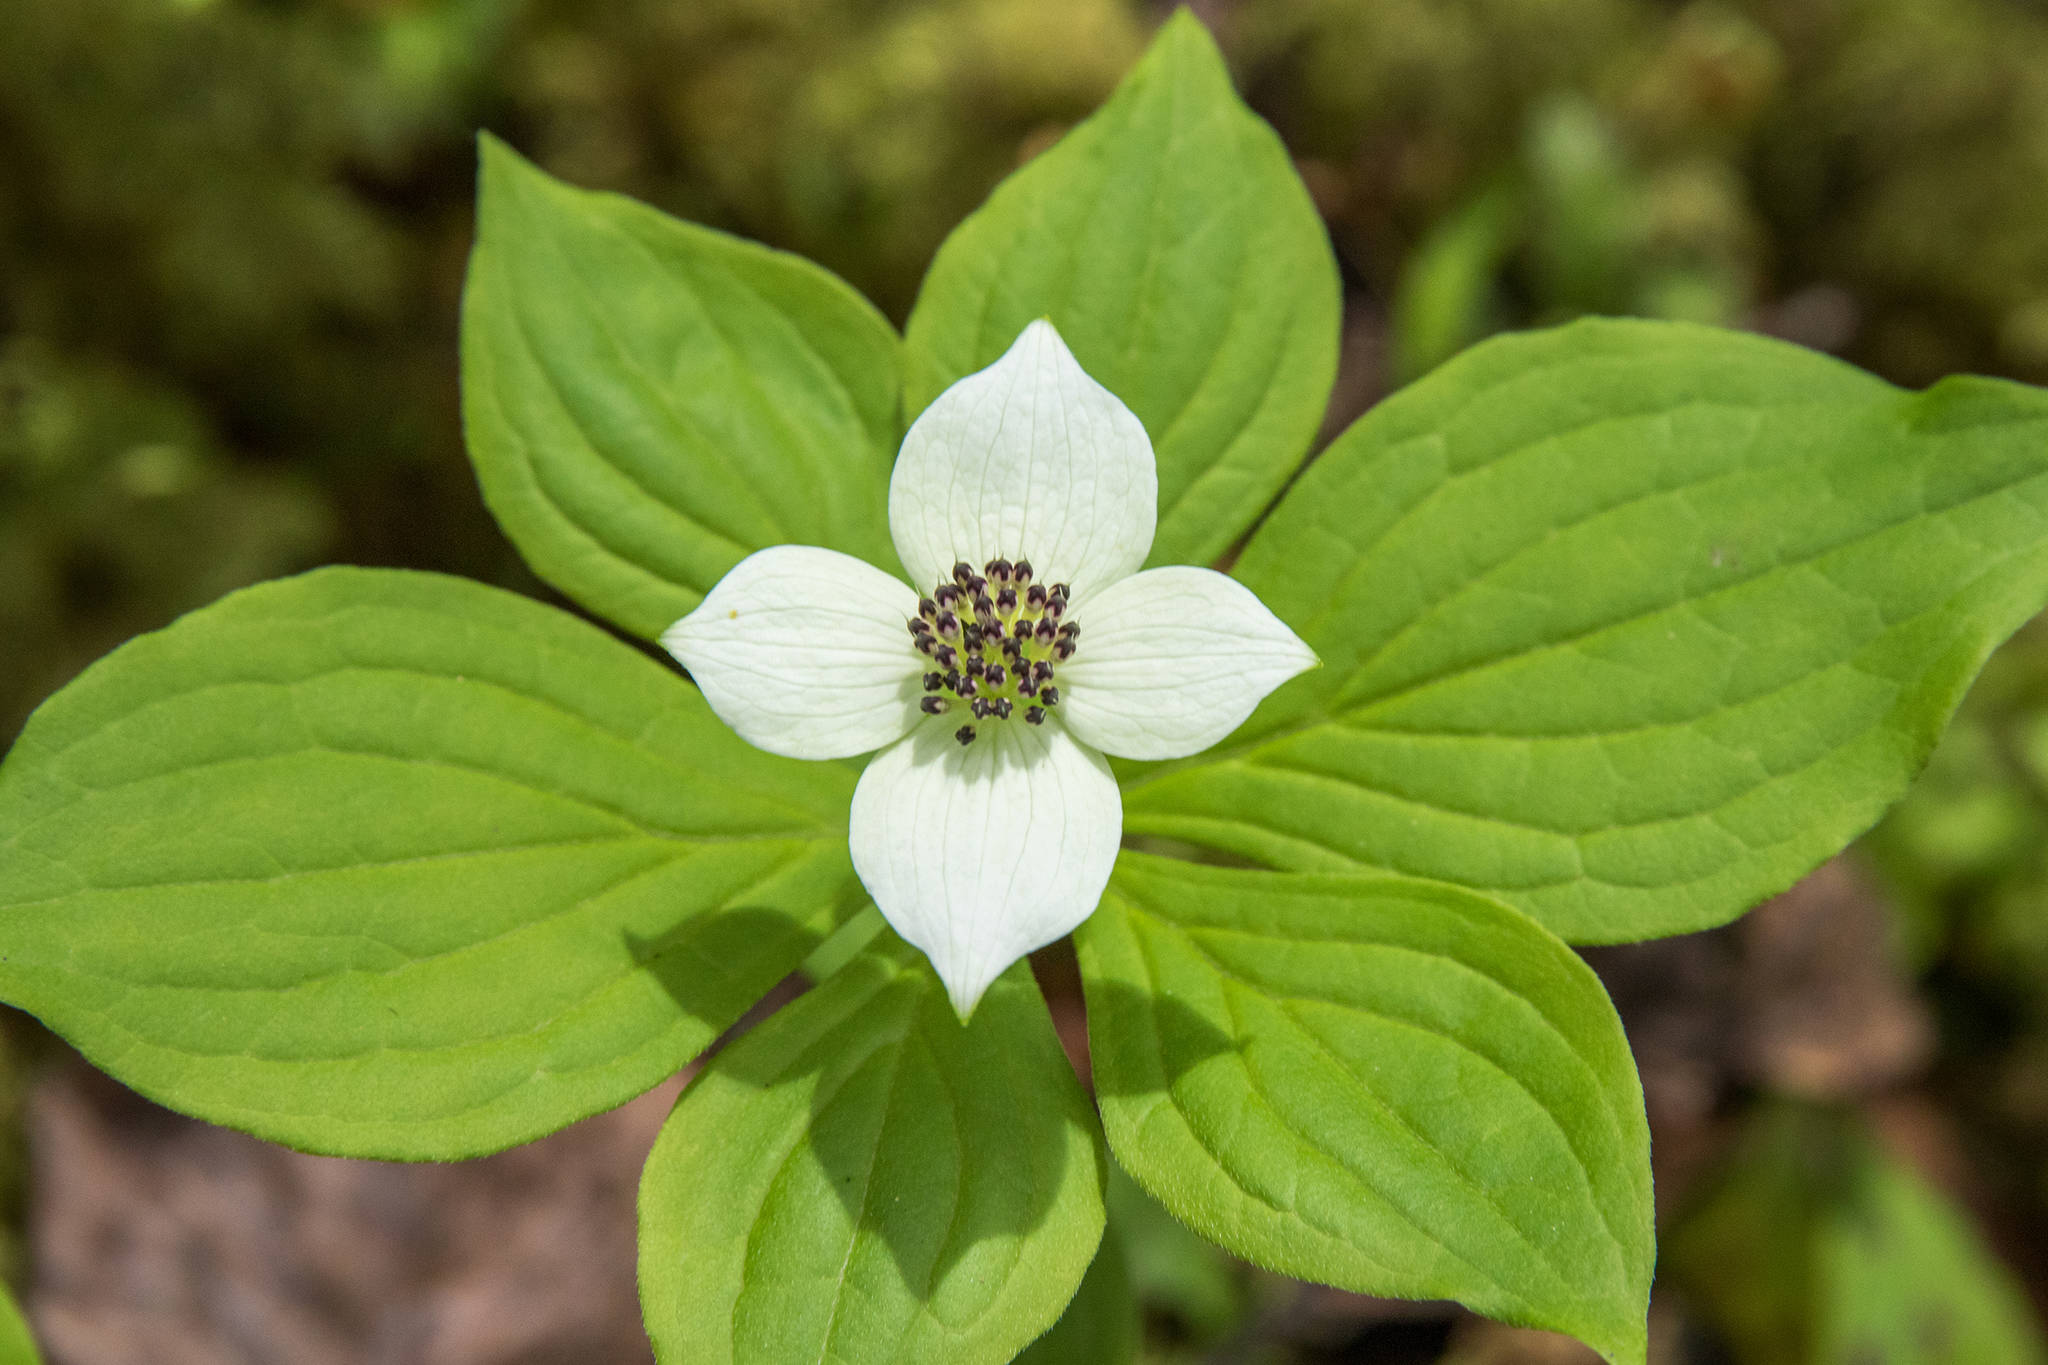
<point x="1198" y="1288"/>
<point x="1170" y="241"/>
<point x="863" y="1178"/>
<point x="1390" y="1086"/>
<point x="1630" y="624"/>
<point x="648" y="401"/>
<point x="1100" y="1326"/>
<point x="17" y="1347"/>
<point x="1812" y="1246"/>
<point x="1445" y="300"/>
<point x="390" y="864"/>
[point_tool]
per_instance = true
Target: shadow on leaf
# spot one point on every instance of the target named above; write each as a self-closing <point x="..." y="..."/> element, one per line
<point x="952" y="1158"/>
<point x="715" y="967"/>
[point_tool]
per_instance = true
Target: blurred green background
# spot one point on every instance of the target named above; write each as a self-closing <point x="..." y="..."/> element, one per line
<point x="232" y="235"/>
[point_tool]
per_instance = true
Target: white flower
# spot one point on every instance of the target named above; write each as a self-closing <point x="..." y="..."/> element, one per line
<point x="1022" y="503"/>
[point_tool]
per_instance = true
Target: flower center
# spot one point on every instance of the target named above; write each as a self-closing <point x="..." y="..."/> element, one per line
<point x="994" y="639"/>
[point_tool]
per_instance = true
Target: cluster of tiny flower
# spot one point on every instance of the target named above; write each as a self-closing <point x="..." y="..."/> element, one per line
<point x="994" y="637"/>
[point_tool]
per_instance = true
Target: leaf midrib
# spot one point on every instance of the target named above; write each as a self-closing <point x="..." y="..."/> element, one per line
<point x="52" y="758"/>
<point x="413" y="961"/>
<point x="681" y="425"/>
<point x="1635" y="618"/>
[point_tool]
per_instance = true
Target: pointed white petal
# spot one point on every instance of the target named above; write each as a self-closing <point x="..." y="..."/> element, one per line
<point x="1028" y="458"/>
<point x="805" y="652"/>
<point x="1171" y="661"/>
<point x="979" y="854"/>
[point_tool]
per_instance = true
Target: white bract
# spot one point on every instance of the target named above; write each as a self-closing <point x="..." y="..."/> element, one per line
<point x="1022" y="504"/>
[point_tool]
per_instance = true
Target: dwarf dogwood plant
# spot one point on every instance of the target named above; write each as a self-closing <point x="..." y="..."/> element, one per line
<point x="1622" y="627"/>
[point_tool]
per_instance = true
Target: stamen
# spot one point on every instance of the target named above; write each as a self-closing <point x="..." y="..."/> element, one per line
<point x="995" y="640"/>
